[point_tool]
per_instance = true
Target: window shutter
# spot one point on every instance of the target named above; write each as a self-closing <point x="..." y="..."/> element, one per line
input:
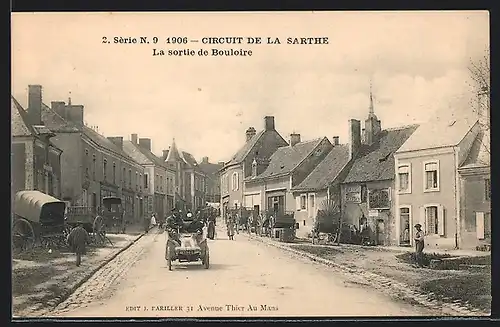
<point x="480" y="225"/>
<point x="297" y="203"/>
<point x="441" y="219"/>
<point x="422" y="219"/>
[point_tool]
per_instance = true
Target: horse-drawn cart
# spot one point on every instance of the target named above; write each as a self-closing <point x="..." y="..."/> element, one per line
<point x="91" y="221"/>
<point x="38" y="219"/>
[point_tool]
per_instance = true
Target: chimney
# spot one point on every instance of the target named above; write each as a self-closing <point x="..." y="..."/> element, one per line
<point x="118" y="140"/>
<point x="483" y="109"/>
<point x="269" y="123"/>
<point x="145" y="143"/>
<point x="35" y="104"/>
<point x="59" y="107"/>
<point x="133" y="138"/>
<point x="74" y="113"/>
<point x="250" y="132"/>
<point x="221" y="163"/>
<point x="294" y="139"/>
<point x="335" y="140"/>
<point x="354" y="137"/>
<point x="204" y="159"/>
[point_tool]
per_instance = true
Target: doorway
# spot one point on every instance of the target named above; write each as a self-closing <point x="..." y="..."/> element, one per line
<point x="404" y="221"/>
<point x="380" y="231"/>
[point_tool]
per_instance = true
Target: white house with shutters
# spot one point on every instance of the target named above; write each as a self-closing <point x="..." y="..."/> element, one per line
<point x="428" y="188"/>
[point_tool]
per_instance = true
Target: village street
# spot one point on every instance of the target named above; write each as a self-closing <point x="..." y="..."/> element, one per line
<point x="243" y="274"/>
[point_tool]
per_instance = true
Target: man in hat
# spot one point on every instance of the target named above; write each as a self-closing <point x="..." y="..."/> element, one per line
<point x="78" y="239"/>
<point x="419" y="245"/>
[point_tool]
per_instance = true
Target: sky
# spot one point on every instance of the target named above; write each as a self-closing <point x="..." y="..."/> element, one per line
<point x="417" y="63"/>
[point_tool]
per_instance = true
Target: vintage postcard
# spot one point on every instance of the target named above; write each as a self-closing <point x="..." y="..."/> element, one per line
<point x="250" y="164"/>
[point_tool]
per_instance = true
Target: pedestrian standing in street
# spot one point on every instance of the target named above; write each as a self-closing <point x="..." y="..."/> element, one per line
<point x="78" y="239"/>
<point x="153" y="220"/>
<point x="237" y="222"/>
<point x="419" y="246"/>
<point x="230" y="227"/>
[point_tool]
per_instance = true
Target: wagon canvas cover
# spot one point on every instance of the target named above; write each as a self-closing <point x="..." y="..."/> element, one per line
<point x="29" y="204"/>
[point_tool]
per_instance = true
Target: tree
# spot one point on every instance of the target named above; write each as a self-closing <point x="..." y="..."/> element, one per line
<point x="330" y="216"/>
<point x="479" y="70"/>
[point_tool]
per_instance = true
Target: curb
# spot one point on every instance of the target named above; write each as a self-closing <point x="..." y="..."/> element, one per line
<point x="60" y="299"/>
<point x="400" y="288"/>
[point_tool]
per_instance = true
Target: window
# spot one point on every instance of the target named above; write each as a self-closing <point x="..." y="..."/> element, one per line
<point x="94" y="166"/>
<point x="161" y="183"/>
<point x="487" y="189"/>
<point x="235" y="181"/>
<point x="124" y="177"/>
<point x="431" y="175"/>
<point x="146" y="182"/>
<point x="130" y="178"/>
<point x="303" y="202"/>
<point x="141" y="183"/>
<point x="114" y="173"/>
<point x="137" y="181"/>
<point x="156" y="182"/>
<point x="404" y="179"/>
<point x="431" y="214"/>
<point x="86" y="163"/>
<point x="104" y="168"/>
<point x="312" y="200"/>
<point x="434" y="219"/>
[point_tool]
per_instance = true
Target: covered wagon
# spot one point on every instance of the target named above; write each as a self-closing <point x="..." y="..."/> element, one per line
<point x="38" y="219"/>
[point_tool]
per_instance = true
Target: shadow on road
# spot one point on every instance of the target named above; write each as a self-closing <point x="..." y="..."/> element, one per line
<point x="198" y="266"/>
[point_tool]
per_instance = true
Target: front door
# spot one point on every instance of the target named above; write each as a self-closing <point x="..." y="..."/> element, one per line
<point x="380" y="232"/>
<point x="312" y="206"/>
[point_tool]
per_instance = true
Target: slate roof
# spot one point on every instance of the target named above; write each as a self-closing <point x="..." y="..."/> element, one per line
<point x="55" y="122"/>
<point x="19" y="123"/>
<point x="183" y="156"/>
<point x="287" y="158"/>
<point x="141" y="155"/>
<point x="376" y="162"/>
<point x="438" y="133"/>
<point x="479" y="154"/>
<point x="172" y="154"/>
<point x="21" y="126"/>
<point x="243" y="152"/>
<point x="327" y="170"/>
<point x="58" y="124"/>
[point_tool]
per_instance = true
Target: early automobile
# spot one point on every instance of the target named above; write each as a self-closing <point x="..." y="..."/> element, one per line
<point x="186" y="246"/>
<point x="38" y="219"/>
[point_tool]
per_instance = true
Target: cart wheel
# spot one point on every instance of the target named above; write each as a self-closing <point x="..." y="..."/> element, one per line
<point x="206" y="261"/>
<point x="99" y="231"/>
<point x="23" y="235"/>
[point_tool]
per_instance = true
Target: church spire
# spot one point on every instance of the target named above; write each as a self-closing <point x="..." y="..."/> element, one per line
<point x="371" y="110"/>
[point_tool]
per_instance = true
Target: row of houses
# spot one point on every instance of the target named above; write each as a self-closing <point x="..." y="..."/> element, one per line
<point x="436" y="174"/>
<point x="55" y="152"/>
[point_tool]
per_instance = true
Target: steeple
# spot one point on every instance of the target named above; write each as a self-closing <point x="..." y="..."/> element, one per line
<point x="69" y="99"/>
<point x="371" y="109"/>
<point x="173" y="153"/>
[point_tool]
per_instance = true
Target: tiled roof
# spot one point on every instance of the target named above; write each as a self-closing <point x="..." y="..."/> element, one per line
<point x="286" y="158"/>
<point x="479" y="154"/>
<point x="438" y="133"/>
<point x="376" y="162"/>
<point x="327" y="170"/>
<point x="19" y="120"/>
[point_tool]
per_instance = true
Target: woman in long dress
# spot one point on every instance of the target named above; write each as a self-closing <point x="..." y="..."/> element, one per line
<point x="230" y="227"/>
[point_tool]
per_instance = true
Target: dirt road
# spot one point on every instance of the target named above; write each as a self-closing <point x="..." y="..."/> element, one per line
<point x="246" y="278"/>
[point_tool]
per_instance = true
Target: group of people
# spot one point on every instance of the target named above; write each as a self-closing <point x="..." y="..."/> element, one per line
<point x="261" y="224"/>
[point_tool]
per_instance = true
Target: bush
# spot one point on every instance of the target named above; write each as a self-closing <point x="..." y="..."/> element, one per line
<point x="410" y="257"/>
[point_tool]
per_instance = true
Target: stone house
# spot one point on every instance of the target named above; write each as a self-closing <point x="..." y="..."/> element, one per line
<point x="367" y="190"/>
<point x="271" y="189"/>
<point x="35" y="159"/>
<point x="158" y="178"/>
<point x="259" y="146"/>
<point x="428" y="181"/>
<point x="93" y="166"/>
<point x="321" y="186"/>
<point x="190" y="180"/>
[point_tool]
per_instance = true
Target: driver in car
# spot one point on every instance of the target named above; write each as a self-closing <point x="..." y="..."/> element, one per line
<point x="196" y="227"/>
